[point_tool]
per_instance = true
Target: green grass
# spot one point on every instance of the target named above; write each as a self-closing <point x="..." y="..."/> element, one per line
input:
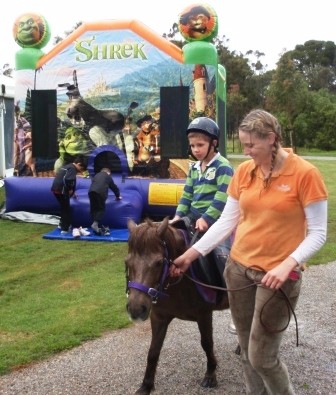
<point x="56" y="294"/>
<point x="327" y="253"/>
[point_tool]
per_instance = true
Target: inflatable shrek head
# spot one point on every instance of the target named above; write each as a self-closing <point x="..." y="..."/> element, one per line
<point x="31" y="31"/>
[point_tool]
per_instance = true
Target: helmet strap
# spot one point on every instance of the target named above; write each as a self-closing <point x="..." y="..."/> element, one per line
<point x="207" y="154"/>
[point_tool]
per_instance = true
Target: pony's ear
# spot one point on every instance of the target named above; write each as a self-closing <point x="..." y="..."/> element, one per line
<point x="131" y="224"/>
<point x="163" y="226"/>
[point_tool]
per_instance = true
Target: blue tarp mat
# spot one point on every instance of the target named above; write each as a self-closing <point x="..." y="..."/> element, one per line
<point x="116" y="235"/>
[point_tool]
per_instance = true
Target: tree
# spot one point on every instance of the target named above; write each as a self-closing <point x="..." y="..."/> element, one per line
<point x="316" y="126"/>
<point x="174" y="36"/>
<point x="287" y="96"/>
<point x="7" y="70"/>
<point x="316" y="60"/>
<point x="58" y="39"/>
<point x="236" y="108"/>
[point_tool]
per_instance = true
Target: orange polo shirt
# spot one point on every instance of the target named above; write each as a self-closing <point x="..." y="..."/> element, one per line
<point x="272" y="221"/>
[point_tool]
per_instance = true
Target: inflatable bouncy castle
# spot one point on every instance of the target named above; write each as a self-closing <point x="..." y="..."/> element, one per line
<point x="123" y="96"/>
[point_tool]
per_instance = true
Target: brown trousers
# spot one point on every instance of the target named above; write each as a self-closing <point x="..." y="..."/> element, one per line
<point x="257" y="316"/>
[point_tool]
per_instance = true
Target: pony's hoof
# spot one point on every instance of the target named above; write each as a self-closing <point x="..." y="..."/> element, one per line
<point x="143" y="390"/>
<point x="209" y="382"/>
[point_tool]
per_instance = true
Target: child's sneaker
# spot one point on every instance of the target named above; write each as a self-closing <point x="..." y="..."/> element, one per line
<point x="64" y="232"/>
<point x="76" y="233"/>
<point x="84" y="231"/>
<point x="105" y="231"/>
<point x="96" y="230"/>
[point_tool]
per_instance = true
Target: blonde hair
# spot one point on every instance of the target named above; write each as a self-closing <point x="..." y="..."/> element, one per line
<point x="262" y="123"/>
<point x="204" y="136"/>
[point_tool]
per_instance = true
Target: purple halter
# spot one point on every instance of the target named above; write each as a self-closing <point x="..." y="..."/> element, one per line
<point x="154" y="293"/>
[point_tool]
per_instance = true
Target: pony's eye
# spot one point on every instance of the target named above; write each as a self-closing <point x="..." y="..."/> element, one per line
<point x="158" y="264"/>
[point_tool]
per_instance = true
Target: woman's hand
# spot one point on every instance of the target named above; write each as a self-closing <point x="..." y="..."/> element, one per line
<point x="278" y="275"/>
<point x="181" y="264"/>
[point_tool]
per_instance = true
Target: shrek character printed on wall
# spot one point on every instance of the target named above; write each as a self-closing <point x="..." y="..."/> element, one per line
<point x="30" y="162"/>
<point x="101" y="125"/>
<point x="73" y="141"/>
<point x="147" y="160"/>
<point x="92" y="127"/>
<point x="125" y="138"/>
<point x="19" y="137"/>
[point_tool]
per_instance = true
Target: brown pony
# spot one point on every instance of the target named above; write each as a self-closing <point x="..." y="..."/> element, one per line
<point x="152" y="246"/>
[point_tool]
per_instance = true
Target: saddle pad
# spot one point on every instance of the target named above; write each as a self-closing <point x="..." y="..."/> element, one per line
<point x="209" y="270"/>
<point x="116" y="235"/>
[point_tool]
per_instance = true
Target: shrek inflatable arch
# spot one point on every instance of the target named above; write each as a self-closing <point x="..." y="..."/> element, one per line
<point x="120" y="94"/>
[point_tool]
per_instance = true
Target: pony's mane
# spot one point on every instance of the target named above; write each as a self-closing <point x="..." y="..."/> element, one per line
<point x="145" y="237"/>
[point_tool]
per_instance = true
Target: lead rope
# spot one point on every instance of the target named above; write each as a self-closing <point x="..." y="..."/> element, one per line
<point x="286" y="299"/>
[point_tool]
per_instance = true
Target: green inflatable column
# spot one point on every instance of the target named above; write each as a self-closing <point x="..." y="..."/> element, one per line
<point x="27" y="58"/>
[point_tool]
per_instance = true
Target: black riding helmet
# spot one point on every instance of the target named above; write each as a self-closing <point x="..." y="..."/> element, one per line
<point x="206" y="126"/>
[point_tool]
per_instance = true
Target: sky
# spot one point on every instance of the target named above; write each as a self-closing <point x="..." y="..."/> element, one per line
<point x="267" y="26"/>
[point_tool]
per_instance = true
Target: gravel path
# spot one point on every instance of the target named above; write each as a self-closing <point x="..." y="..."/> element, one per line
<point x="115" y="363"/>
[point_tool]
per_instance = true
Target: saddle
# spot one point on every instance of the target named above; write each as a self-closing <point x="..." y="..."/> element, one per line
<point x="207" y="269"/>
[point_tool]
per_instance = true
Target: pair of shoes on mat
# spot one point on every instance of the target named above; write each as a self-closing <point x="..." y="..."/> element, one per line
<point x="78" y="232"/>
<point x="84" y="231"/>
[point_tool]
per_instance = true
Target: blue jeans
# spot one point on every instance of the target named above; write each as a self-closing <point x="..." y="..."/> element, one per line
<point x="255" y="315"/>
